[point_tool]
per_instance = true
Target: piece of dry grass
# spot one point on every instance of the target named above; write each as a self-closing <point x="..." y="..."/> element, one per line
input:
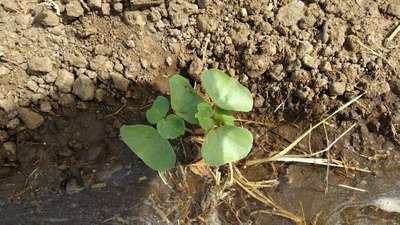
<point x="328" y="157"/>
<point x="256" y="184"/>
<point x="373" y="52"/>
<point x="28" y="184"/>
<point x="161" y="213"/>
<point x="319" y="161"/>
<point x="266" y="124"/>
<point x="352" y="188"/>
<point x="315" y="219"/>
<point x="331" y="144"/>
<point x="395" y="134"/>
<point x="116" y="112"/>
<point x="394" y="33"/>
<point x="261" y="197"/>
<point x="305" y="134"/>
<point x="282" y="104"/>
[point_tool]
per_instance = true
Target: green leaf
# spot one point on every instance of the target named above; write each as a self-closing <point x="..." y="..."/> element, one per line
<point x="226" y="144"/>
<point x="225" y="117"/>
<point x="158" y="110"/>
<point x="226" y="92"/>
<point x="184" y="99"/>
<point x="204" y="109"/>
<point x="204" y="115"/>
<point x="146" y="142"/>
<point x="171" y="127"/>
<point x="207" y="123"/>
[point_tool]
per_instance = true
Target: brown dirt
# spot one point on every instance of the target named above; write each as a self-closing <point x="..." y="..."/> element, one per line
<point x="69" y="81"/>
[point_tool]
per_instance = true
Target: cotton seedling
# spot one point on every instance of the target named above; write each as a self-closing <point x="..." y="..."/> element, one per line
<point x="223" y="141"/>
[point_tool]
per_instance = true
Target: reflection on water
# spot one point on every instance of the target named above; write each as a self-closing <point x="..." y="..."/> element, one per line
<point x="382" y="209"/>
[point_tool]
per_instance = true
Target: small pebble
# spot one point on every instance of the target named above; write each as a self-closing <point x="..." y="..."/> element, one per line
<point x="118" y="7"/>
<point x="45" y="106"/>
<point x="9" y="151"/>
<point x="31" y="119"/>
<point x="337" y="88"/>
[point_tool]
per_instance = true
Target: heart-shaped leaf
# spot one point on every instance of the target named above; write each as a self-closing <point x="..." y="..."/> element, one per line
<point x="226" y="92"/>
<point x="184" y="99"/>
<point x="226" y="144"/>
<point x="171" y="127"/>
<point x="158" y="110"/>
<point x="204" y="115"/>
<point x="146" y="142"/>
<point x="225" y="117"/>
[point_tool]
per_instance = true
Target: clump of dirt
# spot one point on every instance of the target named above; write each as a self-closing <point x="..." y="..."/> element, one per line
<point x="73" y="71"/>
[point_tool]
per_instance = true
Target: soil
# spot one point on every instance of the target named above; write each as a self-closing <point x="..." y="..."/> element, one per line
<point x="73" y="71"/>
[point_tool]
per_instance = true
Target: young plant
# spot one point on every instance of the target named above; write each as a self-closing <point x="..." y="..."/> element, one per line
<point x="223" y="142"/>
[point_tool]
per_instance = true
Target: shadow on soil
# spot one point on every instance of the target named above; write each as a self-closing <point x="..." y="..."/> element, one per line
<point x="75" y="170"/>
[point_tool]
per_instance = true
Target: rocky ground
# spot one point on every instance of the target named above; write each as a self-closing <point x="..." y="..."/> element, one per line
<point x="301" y="60"/>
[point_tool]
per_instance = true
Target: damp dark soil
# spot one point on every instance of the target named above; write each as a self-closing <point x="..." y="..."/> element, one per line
<point x="75" y="170"/>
